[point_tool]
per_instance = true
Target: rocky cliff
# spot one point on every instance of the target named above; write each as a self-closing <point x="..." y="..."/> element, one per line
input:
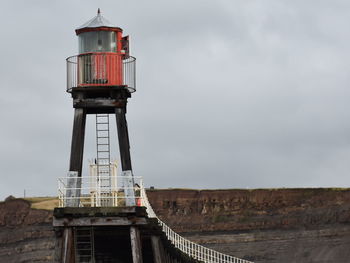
<point x="277" y="225"/>
<point x="26" y="234"/>
<point x="243" y="210"/>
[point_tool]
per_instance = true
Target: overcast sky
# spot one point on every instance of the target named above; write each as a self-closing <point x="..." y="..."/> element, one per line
<point x="230" y="93"/>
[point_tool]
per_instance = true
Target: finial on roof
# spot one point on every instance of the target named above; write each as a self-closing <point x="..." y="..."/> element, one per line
<point x="98" y="11"/>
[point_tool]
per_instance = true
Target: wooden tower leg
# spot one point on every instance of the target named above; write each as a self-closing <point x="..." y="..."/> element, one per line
<point x="76" y="159"/>
<point x="77" y="148"/>
<point x="67" y="255"/>
<point x="136" y="249"/>
<point x="158" y="251"/>
<point x="124" y="149"/>
<point x="123" y="138"/>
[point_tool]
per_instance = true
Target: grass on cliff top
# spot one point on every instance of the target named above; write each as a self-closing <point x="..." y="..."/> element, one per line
<point x="336" y="189"/>
<point x="46" y="203"/>
<point x="49" y="202"/>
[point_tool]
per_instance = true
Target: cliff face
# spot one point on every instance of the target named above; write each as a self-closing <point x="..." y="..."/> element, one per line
<point x="233" y="210"/>
<point x="282" y="225"/>
<point x="26" y="234"/>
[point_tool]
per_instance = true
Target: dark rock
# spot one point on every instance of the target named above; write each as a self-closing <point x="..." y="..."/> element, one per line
<point x="9" y="198"/>
<point x="276" y="225"/>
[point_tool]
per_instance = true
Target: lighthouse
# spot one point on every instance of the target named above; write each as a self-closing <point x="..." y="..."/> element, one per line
<point x="100" y="79"/>
<point x="104" y="217"/>
<point x="99" y="214"/>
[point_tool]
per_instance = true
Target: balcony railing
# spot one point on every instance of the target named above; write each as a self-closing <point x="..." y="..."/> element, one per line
<point x="90" y="191"/>
<point x="101" y="70"/>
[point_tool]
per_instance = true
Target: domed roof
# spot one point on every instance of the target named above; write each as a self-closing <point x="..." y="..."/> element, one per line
<point x="97" y="21"/>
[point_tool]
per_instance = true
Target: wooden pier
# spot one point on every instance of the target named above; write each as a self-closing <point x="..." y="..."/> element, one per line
<point x="112" y="234"/>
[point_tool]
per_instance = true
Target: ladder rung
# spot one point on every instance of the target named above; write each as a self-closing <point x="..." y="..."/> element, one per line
<point x="103" y="150"/>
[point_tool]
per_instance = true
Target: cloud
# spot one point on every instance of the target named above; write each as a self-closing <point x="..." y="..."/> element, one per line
<point x="230" y="93"/>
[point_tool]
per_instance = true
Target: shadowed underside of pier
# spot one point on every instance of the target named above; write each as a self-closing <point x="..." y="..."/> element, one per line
<point x="113" y="234"/>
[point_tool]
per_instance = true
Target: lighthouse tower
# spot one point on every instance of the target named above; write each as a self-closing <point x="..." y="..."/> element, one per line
<point x="104" y="217"/>
<point x="100" y="79"/>
<point x="99" y="216"/>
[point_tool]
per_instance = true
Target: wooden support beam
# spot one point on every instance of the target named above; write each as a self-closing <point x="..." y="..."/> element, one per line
<point x="123" y="138"/>
<point x="68" y="255"/>
<point x="77" y="147"/>
<point x="98" y="103"/>
<point x="136" y="249"/>
<point x="158" y="250"/>
<point x="99" y="221"/>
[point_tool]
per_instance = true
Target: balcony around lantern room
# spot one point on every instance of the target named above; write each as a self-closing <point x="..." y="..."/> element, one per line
<point x="101" y="70"/>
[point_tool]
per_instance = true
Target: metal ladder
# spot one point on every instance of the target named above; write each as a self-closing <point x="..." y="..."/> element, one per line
<point x="84" y="245"/>
<point x="103" y="160"/>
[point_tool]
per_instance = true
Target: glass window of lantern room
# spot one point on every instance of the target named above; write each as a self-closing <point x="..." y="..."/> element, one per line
<point x="97" y="41"/>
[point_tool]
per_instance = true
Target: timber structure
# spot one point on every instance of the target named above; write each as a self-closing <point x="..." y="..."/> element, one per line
<point x="112" y="234"/>
<point x="104" y="217"/>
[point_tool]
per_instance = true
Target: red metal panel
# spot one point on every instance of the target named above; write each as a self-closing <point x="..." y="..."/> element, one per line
<point x="100" y="69"/>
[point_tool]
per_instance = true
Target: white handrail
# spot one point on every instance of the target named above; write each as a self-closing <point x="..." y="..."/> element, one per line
<point x="190" y="248"/>
<point x="77" y="191"/>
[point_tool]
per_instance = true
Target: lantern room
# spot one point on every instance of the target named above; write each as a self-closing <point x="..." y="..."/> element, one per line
<point x="103" y="59"/>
